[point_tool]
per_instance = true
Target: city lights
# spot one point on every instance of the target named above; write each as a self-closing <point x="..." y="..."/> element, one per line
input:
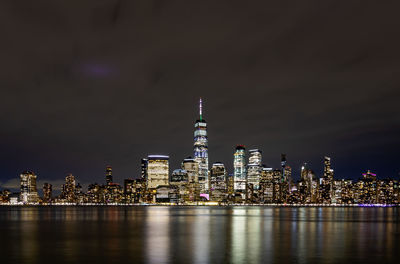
<point x="251" y="183"/>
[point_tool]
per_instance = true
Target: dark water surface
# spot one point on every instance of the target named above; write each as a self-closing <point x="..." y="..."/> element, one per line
<point x="199" y="235"/>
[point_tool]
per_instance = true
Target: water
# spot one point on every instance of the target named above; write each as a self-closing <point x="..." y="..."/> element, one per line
<point x="199" y="235"/>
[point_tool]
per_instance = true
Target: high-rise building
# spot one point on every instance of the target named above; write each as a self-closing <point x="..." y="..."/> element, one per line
<point x="266" y="190"/>
<point x="328" y="171"/>
<point x="239" y="169"/>
<point x="179" y="177"/>
<point x="279" y="196"/>
<point x="307" y="185"/>
<point x="218" y="179"/>
<point x="47" y="192"/>
<point x="28" y="188"/>
<point x="109" y="177"/>
<point x="144" y="163"/>
<point x="192" y="169"/>
<point x="218" y="183"/>
<point x="283" y="166"/>
<point x="157" y="171"/>
<point x="69" y="189"/>
<point x="129" y="186"/>
<point x="327" y="182"/>
<point x="254" y="169"/>
<point x="255" y="157"/>
<point x="285" y="180"/>
<point x="201" y="149"/>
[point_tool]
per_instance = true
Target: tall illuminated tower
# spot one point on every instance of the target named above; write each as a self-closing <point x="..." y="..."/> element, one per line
<point x="327" y="181"/>
<point x="201" y="149"/>
<point x="157" y="171"/>
<point x="254" y="168"/>
<point x="28" y="188"/>
<point x="109" y="177"/>
<point x="239" y="170"/>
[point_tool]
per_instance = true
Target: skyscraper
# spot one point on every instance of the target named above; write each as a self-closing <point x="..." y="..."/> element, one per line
<point x="254" y="168"/>
<point x="109" y="177"/>
<point x="218" y="182"/>
<point x="192" y="169"/>
<point x="218" y="177"/>
<point x="239" y="169"/>
<point x="144" y="163"/>
<point x="266" y="190"/>
<point x="47" y="192"/>
<point x="28" y="188"/>
<point x="328" y="171"/>
<point x="283" y="166"/>
<point x="157" y="171"/>
<point x="327" y="181"/>
<point x="201" y="149"/>
<point x="284" y="186"/>
<point x="179" y="177"/>
<point x="69" y="189"/>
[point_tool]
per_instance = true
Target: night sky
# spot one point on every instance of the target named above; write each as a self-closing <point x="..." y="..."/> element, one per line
<point x="85" y="84"/>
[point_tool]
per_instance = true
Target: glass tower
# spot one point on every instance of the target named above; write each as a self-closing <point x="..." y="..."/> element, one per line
<point x="254" y="168"/>
<point x="28" y="188"/>
<point x="157" y="171"/>
<point x="201" y="150"/>
<point x="109" y="178"/>
<point x="218" y="177"/>
<point x="239" y="169"/>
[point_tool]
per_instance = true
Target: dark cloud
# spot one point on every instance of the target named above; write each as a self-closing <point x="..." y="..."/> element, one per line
<point x="85" y="84"/>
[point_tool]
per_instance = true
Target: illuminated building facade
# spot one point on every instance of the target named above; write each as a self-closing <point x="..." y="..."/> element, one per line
<point x="254" y="169"/>
<point x="109" y="177"/>
<point x="191" y="166"/>
<point x="278" y="183"/>
<point x="218" y="179"/>
<point x="266" y="190"/>
<point x="47" y="192"/>
<point x="194" y="184"/>
<point x="326" y="186"/>
<point x="239" y="169"/>
<point x="143" y="166"/>
<point x="68" y="190"/>
<point x="308" y="185"/>
<point x="178" y="177"/>
<point x="157" y="171"/>
<point x="129" y="186"/>
<point x="201" y="150"/>
<point x="218" y="182"/>
<point x="5" y="197"/>
<point x="28" y="188"/>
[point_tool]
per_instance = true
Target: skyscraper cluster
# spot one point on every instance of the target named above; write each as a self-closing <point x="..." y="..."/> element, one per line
<point x="195" y="182"/>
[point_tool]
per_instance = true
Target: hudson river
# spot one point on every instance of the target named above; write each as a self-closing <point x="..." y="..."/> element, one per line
<point x="156" y="234"/>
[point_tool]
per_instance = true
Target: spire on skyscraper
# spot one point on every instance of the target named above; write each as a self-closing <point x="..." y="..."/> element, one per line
<point x="201" y="110"/>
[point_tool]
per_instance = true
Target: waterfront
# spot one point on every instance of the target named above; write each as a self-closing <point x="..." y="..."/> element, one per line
<point x="156" y="234"/>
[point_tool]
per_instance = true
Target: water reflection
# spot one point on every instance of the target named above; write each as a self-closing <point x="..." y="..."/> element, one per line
<point x="198" y="235"/>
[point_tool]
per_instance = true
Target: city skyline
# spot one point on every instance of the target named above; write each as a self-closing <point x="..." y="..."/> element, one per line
<point x="194" y="182"/>
<point x="199" y="131"/>
<point x="86" y="87"/>
<point x="296" y="175"/>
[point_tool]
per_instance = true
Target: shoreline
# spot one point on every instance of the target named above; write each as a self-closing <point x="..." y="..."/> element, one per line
<point x="204" y="205"/>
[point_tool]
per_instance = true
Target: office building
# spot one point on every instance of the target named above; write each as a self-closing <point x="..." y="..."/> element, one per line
<point x="47" y="192"/>
<point x="239" y="170"/>
<point x="254" y="169"/>
<point x="157" y="171"/>
<point x="201" y="150"/>
<point x="29" y="192"/>
<point x="109" y="177"/>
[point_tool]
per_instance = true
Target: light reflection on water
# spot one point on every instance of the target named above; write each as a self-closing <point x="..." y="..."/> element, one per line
<point x="198" y="235"/>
